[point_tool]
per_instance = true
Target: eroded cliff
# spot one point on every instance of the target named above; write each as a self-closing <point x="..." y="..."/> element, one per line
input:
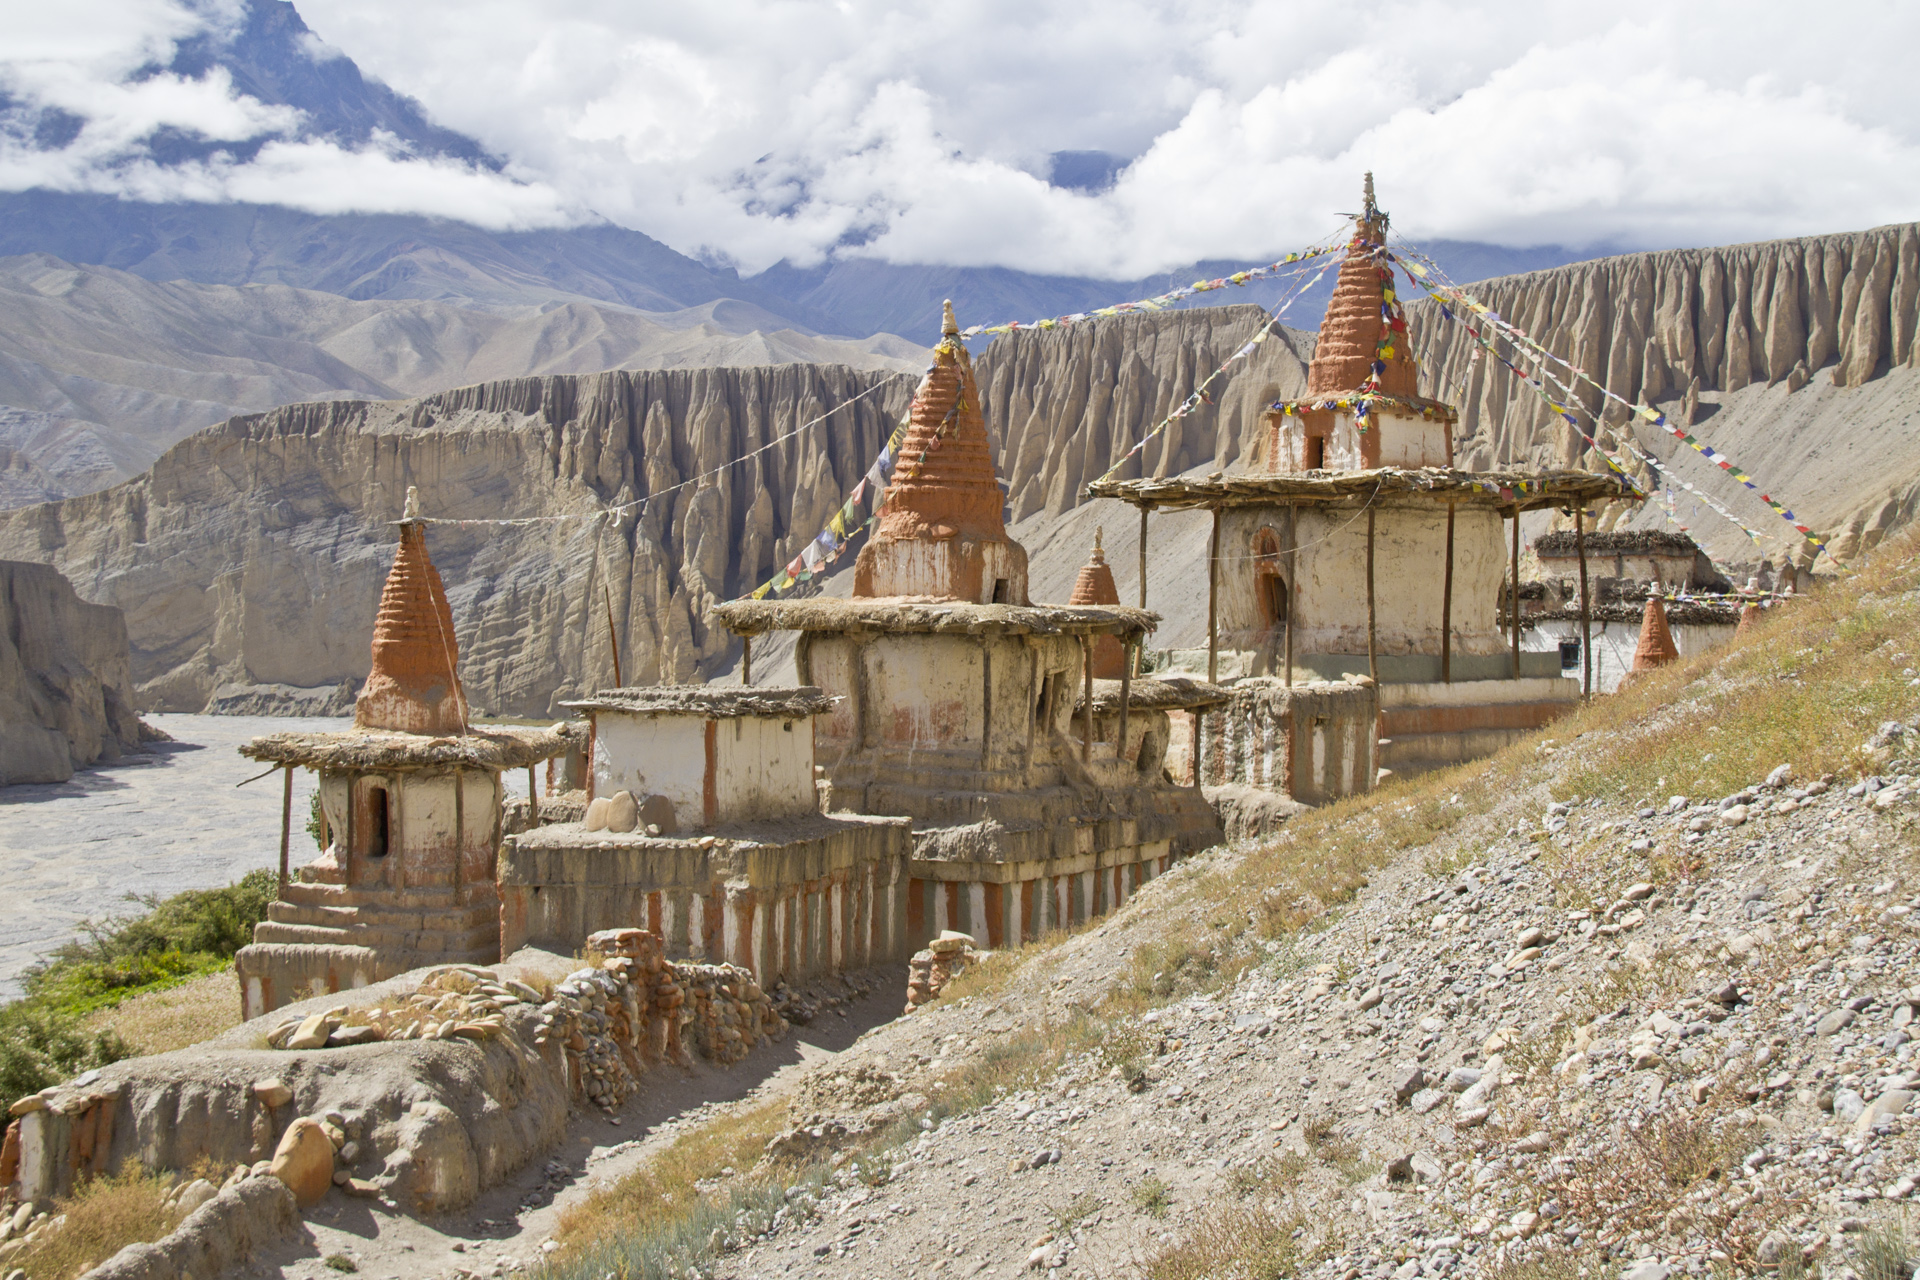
<point x="66" y="699"/>
<point x="1799" y="358"/>
<point x="251" y="555"/>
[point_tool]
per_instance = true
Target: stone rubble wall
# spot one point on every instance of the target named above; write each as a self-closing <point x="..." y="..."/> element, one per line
<point x="428" y="1088"/>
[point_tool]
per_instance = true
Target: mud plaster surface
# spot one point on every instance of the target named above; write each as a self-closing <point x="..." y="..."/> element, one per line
<point x="506" y="1226"/>
<point x="161" y="822"/>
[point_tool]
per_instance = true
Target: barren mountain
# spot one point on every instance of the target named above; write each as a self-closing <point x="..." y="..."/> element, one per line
<point x="251" y="553"/>
<point x="109" y="369"/>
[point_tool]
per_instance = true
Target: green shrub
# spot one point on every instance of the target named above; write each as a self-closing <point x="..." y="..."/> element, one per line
<point x="174" y="940"/>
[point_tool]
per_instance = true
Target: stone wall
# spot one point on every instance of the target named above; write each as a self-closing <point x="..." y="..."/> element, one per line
<point x="66" y="700"/>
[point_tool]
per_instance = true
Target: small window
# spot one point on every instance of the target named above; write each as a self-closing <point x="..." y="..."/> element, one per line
<point x="376" y="822"/>
<point x="999" y="591"/>
<point x="1313" y="453"/>
<point x="1569" y="654"/>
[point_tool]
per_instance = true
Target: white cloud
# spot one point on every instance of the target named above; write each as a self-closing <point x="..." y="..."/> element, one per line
<point x="760" y="129"/>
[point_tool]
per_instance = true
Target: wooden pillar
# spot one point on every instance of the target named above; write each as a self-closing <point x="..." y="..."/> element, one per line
<point x="1586" y="608"/>
<point x="1143" y="555"/>
<point x="1373" y="665"/>
<point x="1213" y="612"/>
<point x="746" y="660"/>
<point x="1086" y="717"/>
<point x="1446" y="608"/>
<point x="346" y="852"/>
<point x="1293" y="581"/>
<point x="286" y="828"/>
<point x="1515" y="599"/>
<point x="533" y="799"/>
<point x="1126" y="693"/>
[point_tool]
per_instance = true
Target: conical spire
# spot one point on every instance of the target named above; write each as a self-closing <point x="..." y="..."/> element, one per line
<point x="1656" y="648"/>
<point x="1749" y="617"/>
<point x="1095" y="586"/>
<point x="1350" y="335"/>
<point x="941" y="534"/>
<point x="415" y="684"/>
<point x="946" y="485"/>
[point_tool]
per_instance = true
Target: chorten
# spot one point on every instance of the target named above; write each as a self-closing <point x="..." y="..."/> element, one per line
<point x="415" y="684"/>
<point x="1357" y="341"/>
<point x="1095" y="586"/>
<point x="1656" y="648"/>
<point x="942" y="535"/>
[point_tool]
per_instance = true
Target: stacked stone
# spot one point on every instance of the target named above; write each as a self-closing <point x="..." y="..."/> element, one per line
<point x="588" y="1010"/>
<point x="653" y="1026"/>
<point x="464" y="1002"/>
<point x="944" y="959"/>
<point x="727" y="1013"/>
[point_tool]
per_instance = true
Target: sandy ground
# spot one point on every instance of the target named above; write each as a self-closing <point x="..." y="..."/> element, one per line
<point x="174" y="818"/>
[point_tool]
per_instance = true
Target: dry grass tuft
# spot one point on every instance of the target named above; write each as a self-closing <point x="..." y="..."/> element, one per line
<point x="1234" y="1242"/>
<point x="103" y="1217"/>
<point x="162" y="1021"/>
<point x="666" y="1192"/>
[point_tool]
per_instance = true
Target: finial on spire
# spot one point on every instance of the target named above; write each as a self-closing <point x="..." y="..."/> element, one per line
<point x="412" y="509"/>
<point x="1367" y="198"/>
<point x="1099" y="531"/>
<point x="949" y="327"/>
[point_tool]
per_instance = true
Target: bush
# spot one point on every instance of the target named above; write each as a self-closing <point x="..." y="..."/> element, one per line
<point x="175" y="939"/>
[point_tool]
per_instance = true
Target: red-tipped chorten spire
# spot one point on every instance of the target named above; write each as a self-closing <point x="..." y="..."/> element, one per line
<point x="942" y="534"/>
<point x="1656" y="648"/>
<point x="1350" y="336"/>
<point x="415" y="685"/>
<point x="1095" y="586"/>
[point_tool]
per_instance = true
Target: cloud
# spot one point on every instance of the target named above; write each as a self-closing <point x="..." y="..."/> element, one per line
<point x="754" y="130"/>
<point x="91" y="76"/>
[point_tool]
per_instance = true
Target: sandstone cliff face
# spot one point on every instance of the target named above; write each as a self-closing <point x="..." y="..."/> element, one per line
<point x="66" y="700"/>
<point x="1788" y="336"/>
<point x="1070" y="402"/>
<point x="252" y="553"/>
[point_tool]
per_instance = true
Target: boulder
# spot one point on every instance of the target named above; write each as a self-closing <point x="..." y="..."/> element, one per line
<point x="304" y="1160"/>
<point x="623" y="811"/>
<point x="596" y="819"/>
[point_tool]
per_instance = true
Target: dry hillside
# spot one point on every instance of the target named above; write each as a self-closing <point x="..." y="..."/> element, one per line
<point x="1630" y="998"/>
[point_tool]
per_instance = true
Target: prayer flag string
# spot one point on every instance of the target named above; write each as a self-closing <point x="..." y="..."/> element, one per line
<point x="1427" y="274"/>
<point x="1161" y="302"/>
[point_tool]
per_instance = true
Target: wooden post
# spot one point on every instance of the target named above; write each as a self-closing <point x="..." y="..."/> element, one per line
<point x="1143" y="555"/>
<point x="1446" y="608"/>
<point x="1136" y="653"/>
<point x="1373" y="665"/>
<point x="533" y="799"/>
<point x="1213" y="614"/>
<point x="286" y="828"/>
<point x="1515" y="599"/>
<point x="1126" y="693"/>
<point x="613" y="637"/>
<point x="1086" y="717"/>
<point x="1293" y="581"/>
<point x="746" y="660"/>
<point x="346" y="851"/>
<point x="1586" y="611"/>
